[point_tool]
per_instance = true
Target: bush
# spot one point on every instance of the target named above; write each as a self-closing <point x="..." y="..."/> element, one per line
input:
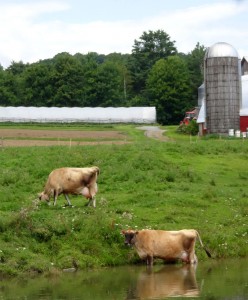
<point x="192" y="128"/>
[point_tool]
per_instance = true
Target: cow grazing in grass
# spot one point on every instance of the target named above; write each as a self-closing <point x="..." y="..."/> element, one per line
<point x="71" y="181"/>
<point x="167" y="245"/>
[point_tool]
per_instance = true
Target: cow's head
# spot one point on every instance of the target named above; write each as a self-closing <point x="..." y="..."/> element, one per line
<point x="43" y="197"/>
<point x="129" y="236"/>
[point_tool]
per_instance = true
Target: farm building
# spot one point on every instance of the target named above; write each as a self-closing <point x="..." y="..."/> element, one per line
<point x="222" y="88"/>
<point x="244" y="107"/>
<point x="78" y="114"/>
<point x="223" y="97"/>
<point x="244" y="65"/>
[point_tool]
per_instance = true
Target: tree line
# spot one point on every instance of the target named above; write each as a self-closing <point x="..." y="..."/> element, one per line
<point x="154" y="74"/>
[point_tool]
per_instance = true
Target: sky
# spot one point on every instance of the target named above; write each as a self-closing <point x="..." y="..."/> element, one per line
<point x="33" y="30"/>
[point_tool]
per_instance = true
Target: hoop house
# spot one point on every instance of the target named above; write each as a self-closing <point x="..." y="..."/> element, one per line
<point x="19" y="114"/>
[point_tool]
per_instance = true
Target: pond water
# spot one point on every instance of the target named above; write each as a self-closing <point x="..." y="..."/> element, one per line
<point x="226" y="279"/>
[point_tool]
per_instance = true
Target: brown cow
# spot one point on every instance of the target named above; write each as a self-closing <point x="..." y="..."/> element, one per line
<point x="71" y="181"/>
<point x="168" y="245"/>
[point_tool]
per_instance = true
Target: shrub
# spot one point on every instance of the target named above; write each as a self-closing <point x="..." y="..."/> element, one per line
<point x="192" y="128"/>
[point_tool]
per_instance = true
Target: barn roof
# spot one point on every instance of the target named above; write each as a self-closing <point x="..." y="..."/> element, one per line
<point x="245" y="58"/>
<point x="78" y="114"/>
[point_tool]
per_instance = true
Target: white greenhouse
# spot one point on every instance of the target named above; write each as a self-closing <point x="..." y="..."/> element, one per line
<point x="19" y="114"/>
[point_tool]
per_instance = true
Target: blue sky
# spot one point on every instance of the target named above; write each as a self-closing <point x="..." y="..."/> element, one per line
<point x="33" y="30"/>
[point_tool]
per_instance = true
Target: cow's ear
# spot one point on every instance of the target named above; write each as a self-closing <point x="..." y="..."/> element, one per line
<point x="123" y="232"/>
<point x="136" y="232"/>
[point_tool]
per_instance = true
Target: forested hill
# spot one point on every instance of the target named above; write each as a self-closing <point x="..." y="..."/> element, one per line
<point x="154" y="74"/>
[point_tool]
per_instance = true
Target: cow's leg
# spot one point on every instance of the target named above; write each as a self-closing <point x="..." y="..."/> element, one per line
<point x="195" y="259"/>
<point x="149" y="260"/>
<point x="92" y="201"/>
<point x="189" y="249"/>
<point x="68" y="200"/>
<point x="88" y="193"/>
<point x="55" y="197"/>
<point x="92" y="191"/>
<point x="192" y="256"/>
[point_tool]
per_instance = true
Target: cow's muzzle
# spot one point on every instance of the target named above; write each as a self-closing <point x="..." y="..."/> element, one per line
<point x="127" y="244"/>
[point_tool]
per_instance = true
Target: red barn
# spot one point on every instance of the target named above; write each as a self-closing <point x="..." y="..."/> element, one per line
<point x="244" y="107"/>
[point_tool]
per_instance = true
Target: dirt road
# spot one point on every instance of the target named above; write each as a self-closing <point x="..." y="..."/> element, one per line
<point x="154" y="132"/>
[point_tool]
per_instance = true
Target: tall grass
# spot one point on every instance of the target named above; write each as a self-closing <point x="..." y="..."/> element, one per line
<point x="185" y="183"/>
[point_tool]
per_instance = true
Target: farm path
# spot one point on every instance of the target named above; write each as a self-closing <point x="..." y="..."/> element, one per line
<point x="154" y="132"/>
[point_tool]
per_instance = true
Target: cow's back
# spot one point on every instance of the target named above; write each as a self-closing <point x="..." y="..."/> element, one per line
<point x="70" y="180"/>
<point x="58" y="179"/>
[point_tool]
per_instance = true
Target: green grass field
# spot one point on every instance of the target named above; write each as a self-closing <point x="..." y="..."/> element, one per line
<point x="186" y="183"/>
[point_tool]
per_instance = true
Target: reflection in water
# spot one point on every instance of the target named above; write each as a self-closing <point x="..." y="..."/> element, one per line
<point x="223" y="279"/>
<point x="169" y="281"/>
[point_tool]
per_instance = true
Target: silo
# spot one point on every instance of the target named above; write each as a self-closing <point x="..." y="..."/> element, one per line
<point x="222" y="88"/>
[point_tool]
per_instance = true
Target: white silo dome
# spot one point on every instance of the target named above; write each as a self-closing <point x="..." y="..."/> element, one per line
<point x="222" y="49"/>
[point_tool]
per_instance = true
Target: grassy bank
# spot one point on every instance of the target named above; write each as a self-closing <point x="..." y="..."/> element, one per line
<point x="187" y="183"/>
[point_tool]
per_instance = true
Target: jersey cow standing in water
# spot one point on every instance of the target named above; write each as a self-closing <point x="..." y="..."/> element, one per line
<point x="71" y="181"/>
<point x="168" y="245"/>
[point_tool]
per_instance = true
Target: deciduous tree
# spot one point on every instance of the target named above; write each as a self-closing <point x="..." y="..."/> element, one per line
<point x="168" y="89"/>
<point x="151" y="46"/>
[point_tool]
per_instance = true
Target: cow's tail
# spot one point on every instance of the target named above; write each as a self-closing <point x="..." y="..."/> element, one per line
<point x="92" y="184"/>
<point x="96" y="170"/>
<point x="206" y="250"/>
<point x="93" y="174"/>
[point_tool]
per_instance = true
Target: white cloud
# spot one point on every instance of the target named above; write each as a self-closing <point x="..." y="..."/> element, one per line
<point x="23" y="38"/>
<point x="206" y="24"/>
<point x="30" y="32"/>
